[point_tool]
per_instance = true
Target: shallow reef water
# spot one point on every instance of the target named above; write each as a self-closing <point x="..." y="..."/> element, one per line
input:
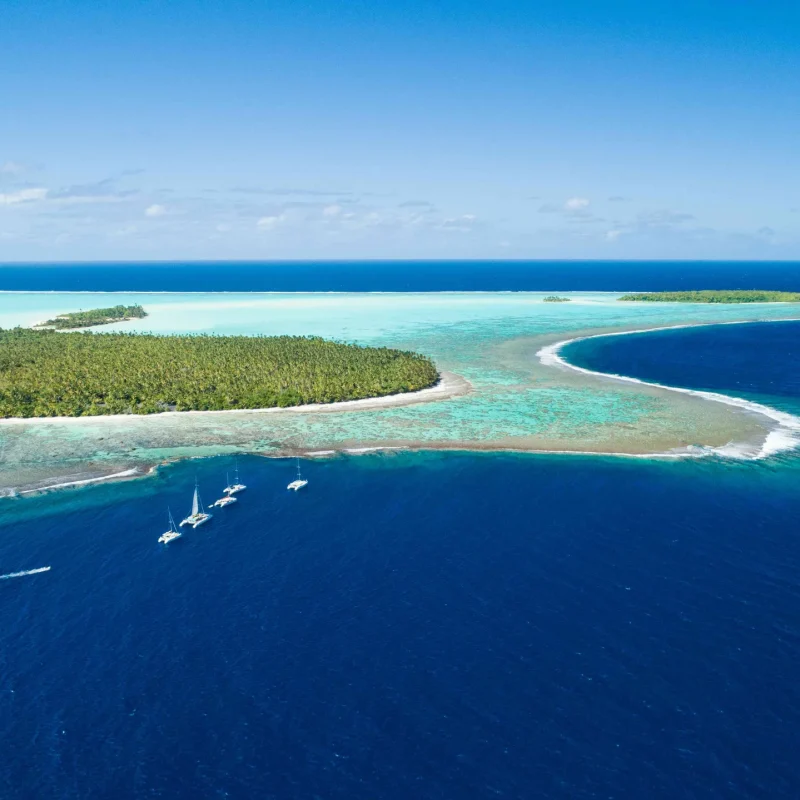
<point x="490" y="339"/>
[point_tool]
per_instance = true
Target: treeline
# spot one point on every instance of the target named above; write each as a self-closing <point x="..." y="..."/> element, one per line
<point x="44" y="373"/>
<point x="95" y="316"/>
<point x="713" y="296"/>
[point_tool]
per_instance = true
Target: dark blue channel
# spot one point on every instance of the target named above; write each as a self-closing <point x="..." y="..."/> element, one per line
<point x="759" y="361"/>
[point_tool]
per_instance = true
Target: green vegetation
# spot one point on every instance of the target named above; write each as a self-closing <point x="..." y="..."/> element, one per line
<point x="96" y="316"/>
<point x="708" y="296"/>
<point x="44" y="373"/>
<point x="556" y="299"/>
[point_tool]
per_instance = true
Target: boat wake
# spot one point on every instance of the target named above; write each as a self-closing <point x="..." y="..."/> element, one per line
<point x="24" y="573"/>
<point x="785" y="436"/>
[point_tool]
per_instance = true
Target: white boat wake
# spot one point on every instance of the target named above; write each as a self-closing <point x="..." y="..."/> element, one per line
<point x="24" y="573"/>
<point x="786" y="436"/>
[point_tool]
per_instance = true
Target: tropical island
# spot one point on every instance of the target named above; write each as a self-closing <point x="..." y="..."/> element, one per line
<point x="95" y="316"/>
<point x="714" y="296"/>
<point x="553" y="298"/>
<point x="44" y="373"/>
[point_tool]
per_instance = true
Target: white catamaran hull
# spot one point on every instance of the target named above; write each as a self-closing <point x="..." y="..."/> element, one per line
<point x="225" y="501"/>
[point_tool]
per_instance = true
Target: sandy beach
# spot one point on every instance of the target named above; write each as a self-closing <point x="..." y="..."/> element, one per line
<point x="449" y="385"/>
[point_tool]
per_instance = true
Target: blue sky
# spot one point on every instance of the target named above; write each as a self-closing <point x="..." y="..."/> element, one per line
<point x="153" y="130"/>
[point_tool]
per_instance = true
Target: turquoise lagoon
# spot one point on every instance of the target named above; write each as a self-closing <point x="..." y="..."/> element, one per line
<point x="489" y="339"/>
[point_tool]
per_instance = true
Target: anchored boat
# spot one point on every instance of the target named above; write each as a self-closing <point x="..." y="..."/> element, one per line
<point x="298" y="483"/>
<point x="198" y="515"/>
<point x="172" y="533"/>
<point x="228" y="499"/>
<point x="235" y="488"/>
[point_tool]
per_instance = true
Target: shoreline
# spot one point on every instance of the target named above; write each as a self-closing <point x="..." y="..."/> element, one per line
<point x="776" y="440"/>
<point x="449" y="385"/>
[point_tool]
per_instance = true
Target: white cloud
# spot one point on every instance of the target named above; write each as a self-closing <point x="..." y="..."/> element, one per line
<point x="612" y="236"/>
<point x="22" y="196"/>
<point x="576" y="204"/>
<point x="12" y="168"/>
<point x="463" y="224"/>
<point x="223" y="227"/>
<point x="155" y="210"/>
<point x="270" y="223"/>
<point x="331" y="211"/>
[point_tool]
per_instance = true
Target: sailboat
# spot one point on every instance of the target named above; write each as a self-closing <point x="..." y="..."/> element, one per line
<point x="236" y="487"/>
<point x="228" y="499"/>
<point x="198" y="515"/>
<point x="172" y="533"/>
<point x="299" y="483"/>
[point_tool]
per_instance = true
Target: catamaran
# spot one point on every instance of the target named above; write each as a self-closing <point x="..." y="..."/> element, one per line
<point x="237" y="487"/>
<point x="228" y="499"/>
<point x="172" y="533"/>
<point x="198" y="515"/>
<point x="299" y="483"/>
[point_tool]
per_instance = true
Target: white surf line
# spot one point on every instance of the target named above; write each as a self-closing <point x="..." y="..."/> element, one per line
<point x="124" y="474"/>
<point x="374" y="449"/>
<point x="786" y="437"/>
<point x="24" y="573"/>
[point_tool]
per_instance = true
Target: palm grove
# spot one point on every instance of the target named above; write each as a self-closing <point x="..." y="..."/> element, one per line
<point x="44" y="373"/>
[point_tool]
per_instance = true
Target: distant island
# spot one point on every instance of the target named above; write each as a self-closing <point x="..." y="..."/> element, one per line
<point x="553" y="298"/>
<point x="95" y="316"/>
<point x="44" y="373"/>
<point x="714" y="296"/>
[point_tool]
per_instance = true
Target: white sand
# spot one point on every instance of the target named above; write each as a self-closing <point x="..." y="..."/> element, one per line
<point x="449" y="385"/>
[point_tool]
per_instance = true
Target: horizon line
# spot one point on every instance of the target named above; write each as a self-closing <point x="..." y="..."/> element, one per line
<point x="312" y="261"/>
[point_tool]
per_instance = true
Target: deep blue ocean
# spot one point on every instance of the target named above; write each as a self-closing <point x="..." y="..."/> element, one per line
<point x="402" y="276"/>
<point x="436" y="626"/>
<point x="758" y="361"/>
